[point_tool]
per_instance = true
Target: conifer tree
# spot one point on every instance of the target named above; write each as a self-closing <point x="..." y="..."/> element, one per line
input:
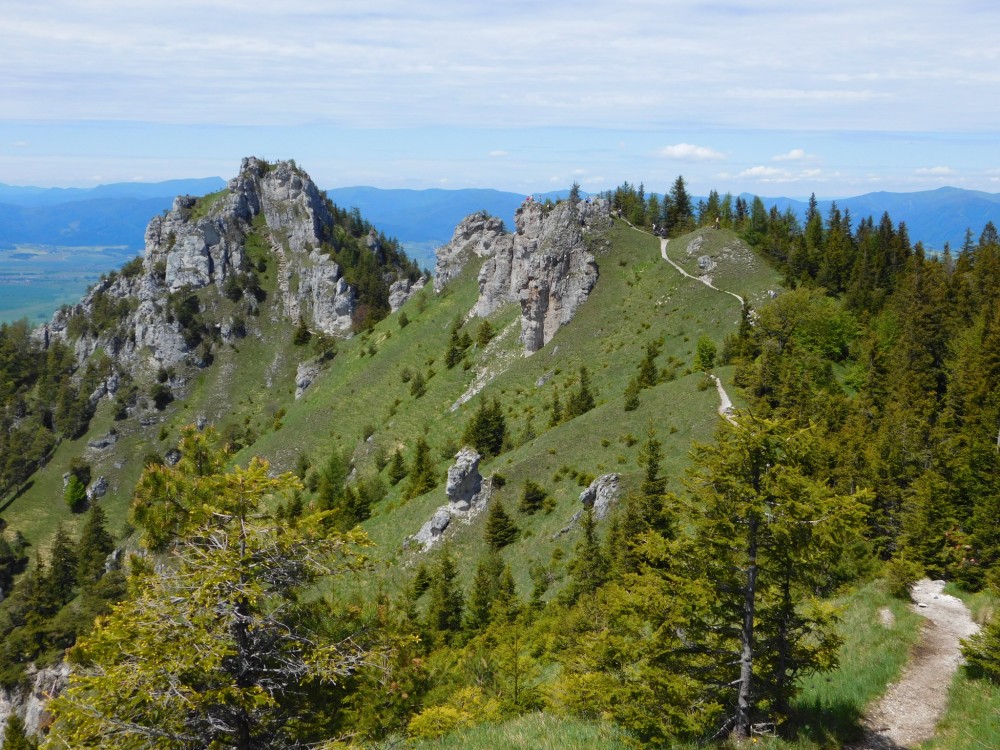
<point x="766" y="532"/>
<point x="648" y="374"/>
<point x="557" y="411"/>
<point x="532" y="497"/>
<point x="75" y="494"/>
<point x="582" y="399"/>
<point x="444" y="614"/>
<point x="486" y="590"/>
<point x="421" y="474"/>
<point x="94" y="547"/>
<point x="487" y="430"/>
<point x="588" y="570"/>
<point x="62" y="566"/>
<point x="500" y="528"/>
<point x="397" y="468"/>
<point x="217" y="647"/>
<point x="14" y="735"/>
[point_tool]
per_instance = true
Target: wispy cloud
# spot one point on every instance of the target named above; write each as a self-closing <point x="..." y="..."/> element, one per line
<point x="691" y="152"/>
<point x="934" y="171"/>
<point x="796" y="154"/>
<point x="498" y="153"/>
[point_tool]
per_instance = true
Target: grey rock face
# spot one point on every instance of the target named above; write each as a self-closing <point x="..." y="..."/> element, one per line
<point x="601" y="495"/>
<point x="464" y="479"/>
<point x="103" y="442"/>
<point x="475" y="236"/>
<point x="305" y="374"/>
<point x="400" y="291"/>
<point x="546" y="266"/>
<point x="202" y="243"/>
<point x="433" y="529"/>
<point x="30" y="703"/>
<point x="98" y="488"/>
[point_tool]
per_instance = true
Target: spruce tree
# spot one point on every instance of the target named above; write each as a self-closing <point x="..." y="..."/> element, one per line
<point x="75" y="494"/>
<point x="485" y="590"/>
<point x="532" y="497"/>
<point x="421" y="474"/>
<point x="500" y="527"/>
<point x="14" y="735"/>
<point x="444" y="614"/>
<point x="63" y="562"/>
<point x="588" y="570"/>
<point x="487" y="430"/>
<point x="397" y="468"/>
<point x="94" y="547"/>
<point x="582" y="399"/>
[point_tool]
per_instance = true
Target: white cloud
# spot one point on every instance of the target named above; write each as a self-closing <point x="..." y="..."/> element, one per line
<point x="499" y="153"/>
<point x="796" y="154"/>
<point x="691" y="152"/>
<point x="762" y="172"/>
<point x="934" y="171"/>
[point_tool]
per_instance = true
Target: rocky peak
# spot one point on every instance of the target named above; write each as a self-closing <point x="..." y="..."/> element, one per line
<point x="546" y="265"/>
<point x="269" y="215"/>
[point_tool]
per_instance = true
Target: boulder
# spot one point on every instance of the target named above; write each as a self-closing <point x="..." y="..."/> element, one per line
<point x="98" y="488"/>
<point x="601" y="495"/>
<point x="464" y="479"/>
<point x="305" y="374"/>
<point x="431" y="531"/>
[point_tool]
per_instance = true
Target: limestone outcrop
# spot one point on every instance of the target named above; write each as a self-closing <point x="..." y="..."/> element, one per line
<point x="547" y="265"/>
<point x="270" y="218"/>
<point x="29" y="702"/>
<point x="602" y="493"/>
<point x="464" y="479"/>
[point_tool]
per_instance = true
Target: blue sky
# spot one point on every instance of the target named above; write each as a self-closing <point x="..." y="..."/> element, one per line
<point x="774" y="98"/>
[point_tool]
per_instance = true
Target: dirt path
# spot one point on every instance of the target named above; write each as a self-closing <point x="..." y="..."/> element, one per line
<point x="725" y="404"/>
<point x="909" y="711"/>
<point x="706" y="282"/>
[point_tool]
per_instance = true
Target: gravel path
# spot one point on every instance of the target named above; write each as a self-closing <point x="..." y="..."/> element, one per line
<point x="909" y="711"/>
<point x="706" y="282"/>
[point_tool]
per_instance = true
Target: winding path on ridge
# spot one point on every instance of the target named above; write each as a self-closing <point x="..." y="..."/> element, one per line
<point x="663" y="251"/>
<point x="909" y="711"/>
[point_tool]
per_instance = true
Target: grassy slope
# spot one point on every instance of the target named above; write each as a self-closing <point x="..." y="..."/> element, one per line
<point x="638" y="299"/>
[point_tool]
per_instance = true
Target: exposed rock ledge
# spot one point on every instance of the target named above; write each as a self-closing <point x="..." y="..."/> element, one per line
<point x="547" y="265"/>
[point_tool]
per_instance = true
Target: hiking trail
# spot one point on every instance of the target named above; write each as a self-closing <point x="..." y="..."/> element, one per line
<point x="909" y="711"/>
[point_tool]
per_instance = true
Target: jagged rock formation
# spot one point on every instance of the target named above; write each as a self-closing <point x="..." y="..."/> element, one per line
<point x="30" y="702"/>
<point x="468" y="494"/>
<point x="464" y="479"/>
<point x="602" y="493"/>
<point x="269" y="215"/>
<point x="547" y="265"/>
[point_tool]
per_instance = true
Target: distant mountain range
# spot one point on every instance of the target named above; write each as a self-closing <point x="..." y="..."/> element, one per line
<point x="933" y="217"/>
<point x="117" y="214"/>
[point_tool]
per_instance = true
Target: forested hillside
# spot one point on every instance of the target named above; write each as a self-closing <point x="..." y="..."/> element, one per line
<point x="505" y="507"/>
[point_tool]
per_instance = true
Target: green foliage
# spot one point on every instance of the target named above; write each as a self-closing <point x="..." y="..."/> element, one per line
<point x="487" y="430"/>
<point x="14" y="737"/>
<point x="982" y="651"/>
<point x="704" y="358"/>
<point x="485" y="333"/>
<point x="444" y="613"/>
<point x="500" y="529"/>
<point x="215" y="649"/>
<point x="397" y="467"/>
<point x="900" y="574"/>
<point x="533" y="497"/>
<point x="75" y="494"/>
<point x="582" y="399"/>
<point x="420" y="477"/>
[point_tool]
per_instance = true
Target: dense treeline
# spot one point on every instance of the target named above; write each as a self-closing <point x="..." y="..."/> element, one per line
<point x="42" y="400"/>
<point x="364" y="255"/>
<point x="892" y="355"/>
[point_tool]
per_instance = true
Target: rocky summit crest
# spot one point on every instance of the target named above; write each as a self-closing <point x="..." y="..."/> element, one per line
<point x="547" y="265"/>
<point x="202" y="280"/>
